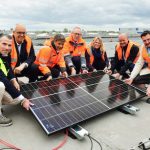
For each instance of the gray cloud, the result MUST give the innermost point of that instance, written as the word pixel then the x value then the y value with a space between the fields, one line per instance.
pixel 108 13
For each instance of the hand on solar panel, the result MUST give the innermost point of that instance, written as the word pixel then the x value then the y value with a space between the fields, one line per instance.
pixel 116 75
pixel 64 74
pixel 26 104
pixel 73 71
pixel 84 71
pixel 49 78
pixel 128 81
pixel 108 72
pixel 148 91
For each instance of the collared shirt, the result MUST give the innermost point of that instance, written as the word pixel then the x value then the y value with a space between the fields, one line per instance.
pixel 19 47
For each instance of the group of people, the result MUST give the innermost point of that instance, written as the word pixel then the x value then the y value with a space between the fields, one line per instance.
pixel 63 57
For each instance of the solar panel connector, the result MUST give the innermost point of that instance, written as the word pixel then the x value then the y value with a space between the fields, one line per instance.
pixel 78 132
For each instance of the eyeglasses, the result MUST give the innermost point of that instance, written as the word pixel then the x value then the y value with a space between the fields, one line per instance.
pixel 77 34
pixel 21 33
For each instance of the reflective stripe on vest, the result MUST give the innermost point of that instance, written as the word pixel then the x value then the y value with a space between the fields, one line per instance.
pixel 3 68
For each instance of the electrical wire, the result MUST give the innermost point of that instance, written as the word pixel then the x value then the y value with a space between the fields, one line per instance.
pixel 5 148
pixel 9 145
pixel 91 142
pixel 96 142
pixel 63 142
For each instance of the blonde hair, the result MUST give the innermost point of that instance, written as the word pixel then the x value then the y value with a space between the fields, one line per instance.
pixel 102 48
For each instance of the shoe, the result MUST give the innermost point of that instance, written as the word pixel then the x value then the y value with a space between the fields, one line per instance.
pixel 4 122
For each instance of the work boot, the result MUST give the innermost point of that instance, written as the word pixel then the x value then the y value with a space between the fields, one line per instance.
pixel 5 121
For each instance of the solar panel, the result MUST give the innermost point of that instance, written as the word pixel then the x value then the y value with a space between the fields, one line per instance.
pixel 63 102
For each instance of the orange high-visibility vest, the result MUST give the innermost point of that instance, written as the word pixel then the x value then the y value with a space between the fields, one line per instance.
pixel 145 56
pixel 47 57
pixel 14 57
pixel 119 51
pixel 89 50
pixel 74 49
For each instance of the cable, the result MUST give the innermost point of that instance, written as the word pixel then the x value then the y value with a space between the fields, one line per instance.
pixel 63 142
pixel 5 148
pixel 91 142
pixel 96 141
pixel 9 145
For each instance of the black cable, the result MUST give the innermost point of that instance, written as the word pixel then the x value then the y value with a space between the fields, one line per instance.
pixel 91 142
pixel 96 142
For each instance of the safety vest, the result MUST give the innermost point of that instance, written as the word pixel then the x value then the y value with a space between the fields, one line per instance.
pixel 74 48
pixel 3 68
pixel 89 50
pixel 47 57
pixel 145 56
pixel 14 57
pixel 130 44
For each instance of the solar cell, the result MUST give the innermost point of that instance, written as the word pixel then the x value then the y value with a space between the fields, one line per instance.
pixel 63 102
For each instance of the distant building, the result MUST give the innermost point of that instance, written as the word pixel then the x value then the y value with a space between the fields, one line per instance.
pixel 132 31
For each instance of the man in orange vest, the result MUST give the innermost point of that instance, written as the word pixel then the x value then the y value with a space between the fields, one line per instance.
pixel 9 89
pixel 22 54
pixel 126 54
pixel 141 71
pixel 50 60
pixel 74 49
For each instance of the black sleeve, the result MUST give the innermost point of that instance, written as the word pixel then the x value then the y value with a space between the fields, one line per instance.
pixel 31 57
pixel 106 59
pixel 10 74
pixel 88 64
pixel 133 54
pixel 114 62
pixel 9 86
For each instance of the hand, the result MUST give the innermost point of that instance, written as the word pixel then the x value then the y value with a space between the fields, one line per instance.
pixel 26 104
pixel 73 71
pixel 148 91
pixel 18 69
pixel 108 72
pixel 128 81
pixel 94 70
pixel 105 69
pixel 84 71
pixel 16 85
pixel 64 74
pixel 116 75
pixel 49 78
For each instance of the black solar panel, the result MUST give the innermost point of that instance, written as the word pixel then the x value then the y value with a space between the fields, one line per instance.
pixel 64 102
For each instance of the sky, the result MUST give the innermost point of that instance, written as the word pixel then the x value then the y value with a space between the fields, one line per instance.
pixel 88 14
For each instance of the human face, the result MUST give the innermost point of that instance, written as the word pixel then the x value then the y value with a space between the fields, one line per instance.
pixel 19 34
pixel 146 40
pixel 97 44
pixel 59 45
pixel 76 34
pixel 5 46
pixel 123 40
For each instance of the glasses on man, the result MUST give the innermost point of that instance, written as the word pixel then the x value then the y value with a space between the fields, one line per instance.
pixel 20 33
pixel 77 34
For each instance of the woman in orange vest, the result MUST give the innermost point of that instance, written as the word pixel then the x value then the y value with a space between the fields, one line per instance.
pixel 96 56
pixel 50 60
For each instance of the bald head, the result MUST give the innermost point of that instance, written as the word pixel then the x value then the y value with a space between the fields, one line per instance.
pixel 20 27
pixel 123 39
pixel 19 33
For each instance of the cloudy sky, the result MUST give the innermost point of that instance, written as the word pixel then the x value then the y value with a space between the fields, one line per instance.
pixel 89 14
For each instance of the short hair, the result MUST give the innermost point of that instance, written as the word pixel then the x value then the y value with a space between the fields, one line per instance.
pixel 5 35
pixel 145 33
pixel 59 37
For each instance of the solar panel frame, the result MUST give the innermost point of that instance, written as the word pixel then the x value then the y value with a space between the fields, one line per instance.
pixel 57 102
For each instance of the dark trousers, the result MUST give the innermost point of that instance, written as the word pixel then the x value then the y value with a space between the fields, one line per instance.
pixel 35 73
pixel 77 64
